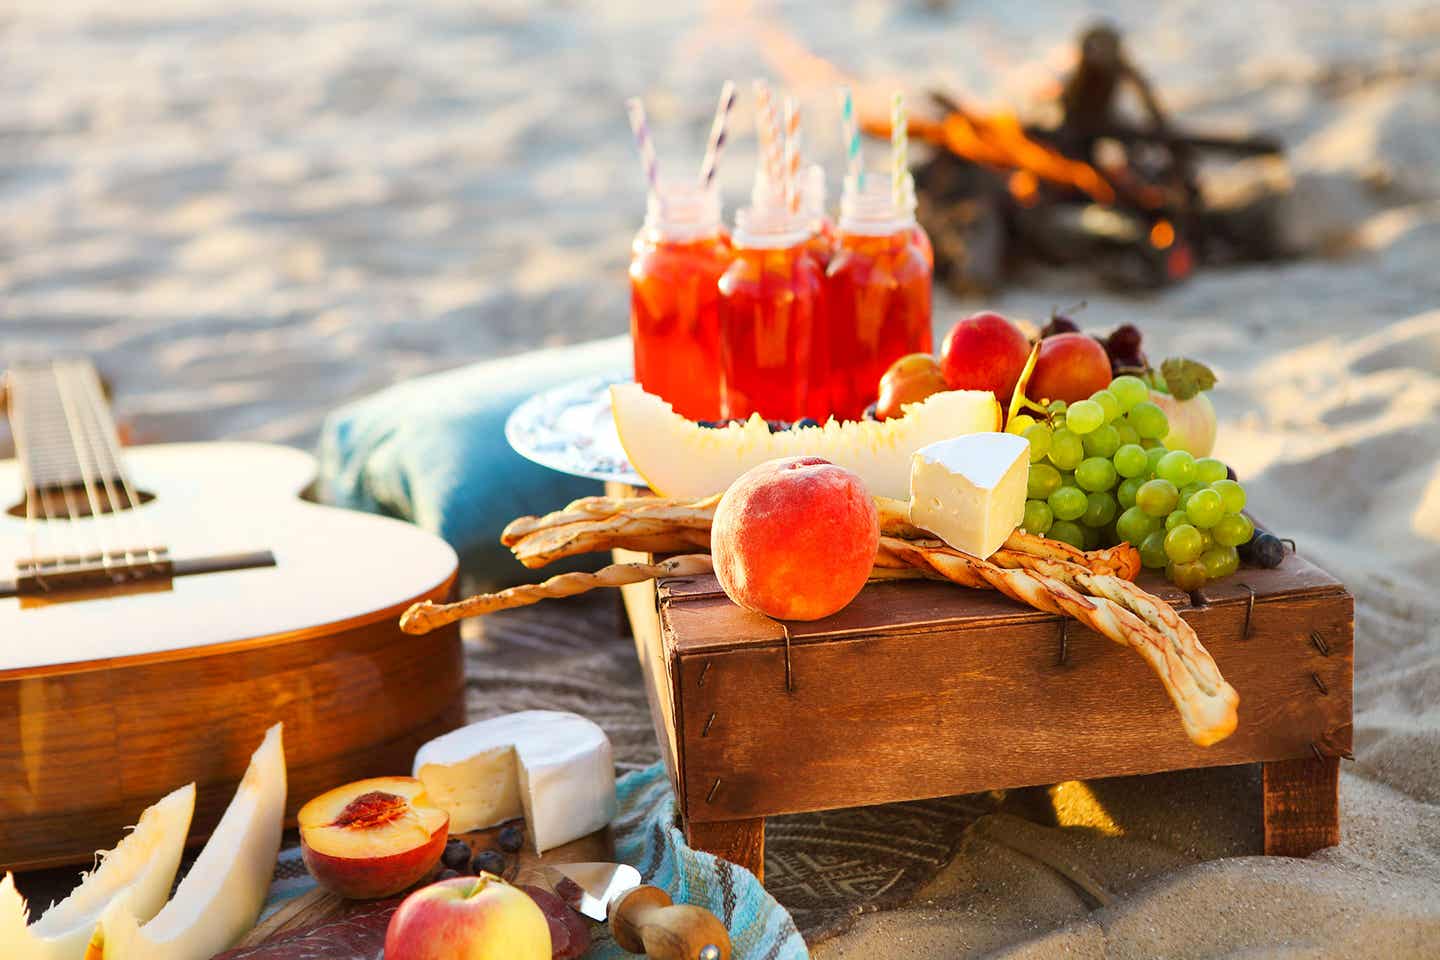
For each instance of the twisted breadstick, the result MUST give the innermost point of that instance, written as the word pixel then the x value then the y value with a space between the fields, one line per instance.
pixel 426 615
pixel 662 525
pixel 622 532
pixel 1206 703
pixel 1154 611
pixel 685 513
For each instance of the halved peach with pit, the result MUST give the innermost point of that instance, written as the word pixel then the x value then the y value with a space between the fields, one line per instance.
pixel 372 838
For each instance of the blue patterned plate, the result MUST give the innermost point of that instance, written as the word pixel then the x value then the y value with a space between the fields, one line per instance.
pixel 569 428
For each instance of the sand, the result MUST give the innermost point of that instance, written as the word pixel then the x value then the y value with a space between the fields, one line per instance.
pixel 251 212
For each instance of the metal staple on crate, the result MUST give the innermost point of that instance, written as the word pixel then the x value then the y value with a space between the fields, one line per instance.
pixel 1320 684
pixel 708 721
pixel 700 681
pixel 710 797
pixel 1318 642
pixel 1064 642
pixel 1249 611
pixel 789 670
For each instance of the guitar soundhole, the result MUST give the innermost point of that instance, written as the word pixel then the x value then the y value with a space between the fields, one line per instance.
pixel 72 502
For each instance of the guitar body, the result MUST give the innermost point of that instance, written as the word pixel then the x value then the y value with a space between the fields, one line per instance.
pixel 111 697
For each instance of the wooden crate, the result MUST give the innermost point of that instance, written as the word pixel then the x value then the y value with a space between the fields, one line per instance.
pixel 921 689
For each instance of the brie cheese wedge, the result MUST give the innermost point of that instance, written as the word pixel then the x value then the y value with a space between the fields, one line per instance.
pixel 970 491
pixel 555 769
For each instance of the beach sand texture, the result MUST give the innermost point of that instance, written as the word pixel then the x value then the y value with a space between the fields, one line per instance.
pixel 251 212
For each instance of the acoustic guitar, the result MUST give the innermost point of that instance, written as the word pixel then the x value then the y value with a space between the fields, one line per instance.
pixel 161 606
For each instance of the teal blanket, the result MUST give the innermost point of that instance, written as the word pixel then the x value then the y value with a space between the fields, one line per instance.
pixel 433 451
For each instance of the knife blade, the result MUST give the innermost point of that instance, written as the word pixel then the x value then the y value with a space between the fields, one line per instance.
pixel 643 919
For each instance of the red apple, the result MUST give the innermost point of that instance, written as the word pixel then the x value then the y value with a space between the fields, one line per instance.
pixel 984 352
pixel 910 379
pixel 1070 367
pixel 372 838
pixel 468 918
pixel 795 538
pixel 1192 422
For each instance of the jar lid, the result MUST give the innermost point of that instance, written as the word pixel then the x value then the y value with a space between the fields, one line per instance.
pixel 770 227
pixel 680 210
pixel 873 211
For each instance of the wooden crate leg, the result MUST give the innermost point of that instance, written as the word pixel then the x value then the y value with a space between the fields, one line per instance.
pixel 1302 806
pixel 739 841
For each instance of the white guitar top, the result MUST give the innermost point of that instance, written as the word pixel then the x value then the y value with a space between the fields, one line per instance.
pixel 332 565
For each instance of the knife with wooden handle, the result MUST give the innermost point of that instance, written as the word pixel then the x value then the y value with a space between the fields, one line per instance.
pixel 642 918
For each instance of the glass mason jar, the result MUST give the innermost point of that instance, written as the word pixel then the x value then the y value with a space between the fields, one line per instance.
pixel 677 260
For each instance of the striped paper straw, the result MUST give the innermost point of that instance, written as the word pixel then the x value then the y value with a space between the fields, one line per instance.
pixel 792 155
pixel 769 133
pixel 851 131
pixel 899 150
pixel 636 109
pixel 717 134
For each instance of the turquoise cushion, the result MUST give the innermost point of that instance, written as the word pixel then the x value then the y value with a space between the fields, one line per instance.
pixel 433 451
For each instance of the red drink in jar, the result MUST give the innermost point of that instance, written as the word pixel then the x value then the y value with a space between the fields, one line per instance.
pixel 877 294
pixel 770 300
pixel 820 245
pixel 679 256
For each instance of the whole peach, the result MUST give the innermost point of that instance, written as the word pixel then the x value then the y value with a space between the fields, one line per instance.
pixel 1070 367
pixel 984 352
pixel 795 538
pixel 468 918
pixel 910 379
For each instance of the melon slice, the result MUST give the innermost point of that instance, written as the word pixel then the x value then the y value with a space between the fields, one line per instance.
pixel 138 872
pixel 220 898
pixel 679 458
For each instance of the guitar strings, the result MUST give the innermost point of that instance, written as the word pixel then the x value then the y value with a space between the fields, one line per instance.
pixel 74 536
pixel 19 428
pixel 58 557
pixel 110 444
pixel 93 429
pixel 78 439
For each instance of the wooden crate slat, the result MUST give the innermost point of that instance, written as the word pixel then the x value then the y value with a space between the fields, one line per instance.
pixel 896 717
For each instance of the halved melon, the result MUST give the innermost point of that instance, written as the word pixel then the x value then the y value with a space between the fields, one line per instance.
pixel 680 458
pixel 139 872
pixel 220 898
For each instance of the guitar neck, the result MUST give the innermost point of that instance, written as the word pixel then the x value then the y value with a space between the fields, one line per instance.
pixel 64 433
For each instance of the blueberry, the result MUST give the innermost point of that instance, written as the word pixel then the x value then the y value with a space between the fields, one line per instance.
pixel 1269 551
pixel 807 422
pixel 778 426
pixel 869 413
pixel 456 854
pixel 510 839
pixel 1230 472
pixel 490 861
pixel 710 424
pixel 447 875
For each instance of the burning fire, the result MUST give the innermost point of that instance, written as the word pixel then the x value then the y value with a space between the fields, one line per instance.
pixel 999 141
pixel 996 141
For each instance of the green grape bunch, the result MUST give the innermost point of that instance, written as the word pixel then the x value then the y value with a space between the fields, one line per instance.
pixel 1100 474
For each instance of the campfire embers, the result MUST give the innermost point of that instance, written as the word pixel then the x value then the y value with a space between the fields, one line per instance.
pixel 1096 190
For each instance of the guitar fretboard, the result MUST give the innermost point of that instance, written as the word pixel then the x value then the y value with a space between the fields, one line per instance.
pixel 64 435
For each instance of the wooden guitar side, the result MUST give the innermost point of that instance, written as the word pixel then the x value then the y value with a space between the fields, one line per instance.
pixel 108 704
pixel 99 746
